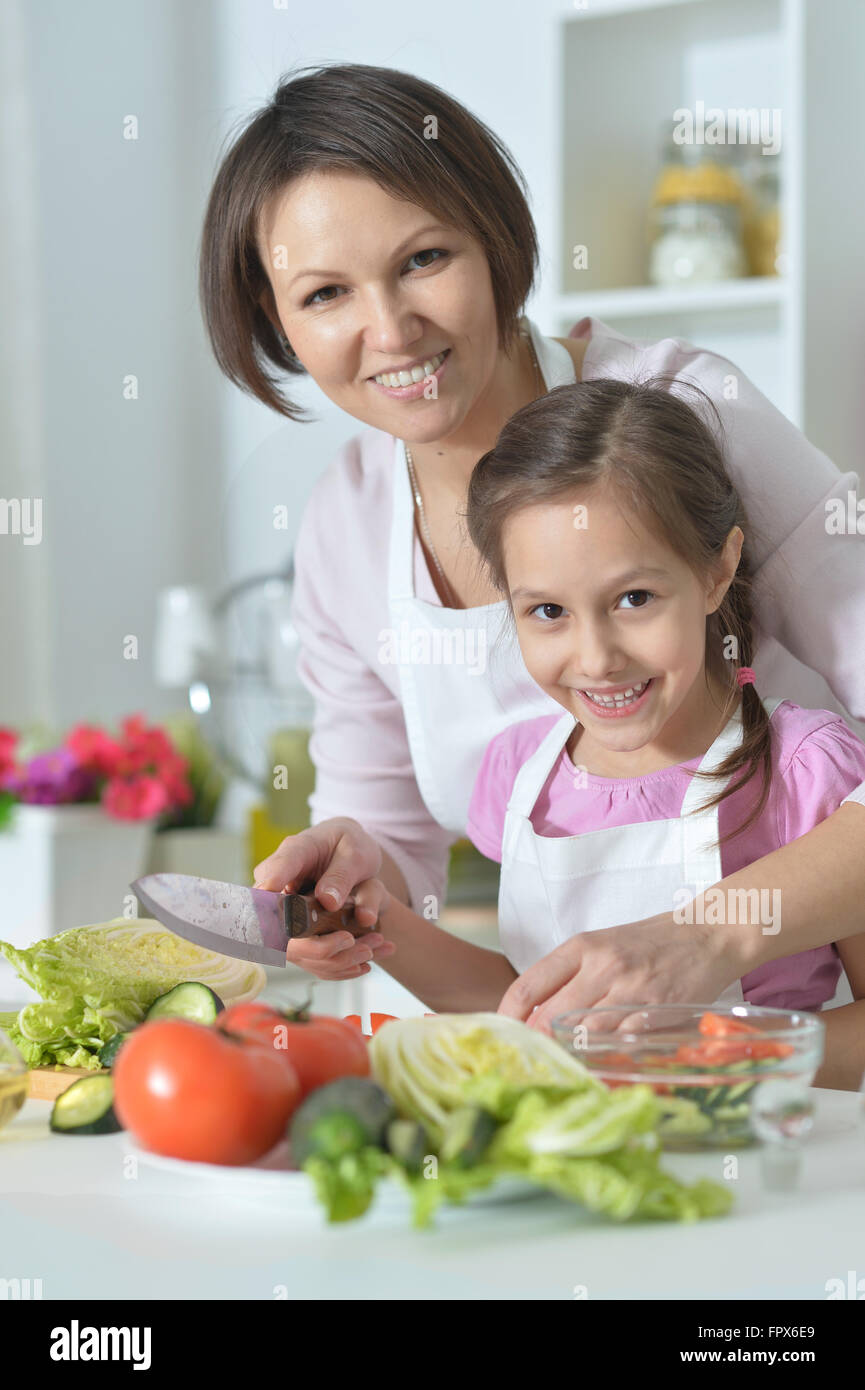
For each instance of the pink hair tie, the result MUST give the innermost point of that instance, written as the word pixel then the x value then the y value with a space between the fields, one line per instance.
pixel 745 676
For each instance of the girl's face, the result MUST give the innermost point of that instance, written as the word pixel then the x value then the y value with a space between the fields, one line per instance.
pixel 602 606
pixel 365 284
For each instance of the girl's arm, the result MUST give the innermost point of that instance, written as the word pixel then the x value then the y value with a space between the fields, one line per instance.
pixel 447 974
pixel 844 1062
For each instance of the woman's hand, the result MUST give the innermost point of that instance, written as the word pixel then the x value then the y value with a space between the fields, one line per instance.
pixel 342 859
pixel 655 961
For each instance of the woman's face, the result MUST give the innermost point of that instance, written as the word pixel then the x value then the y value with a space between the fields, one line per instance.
pixel 365 284
pixel 603 605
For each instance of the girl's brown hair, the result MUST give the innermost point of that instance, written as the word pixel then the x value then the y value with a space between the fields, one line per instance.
pixel 413 140
pixel 667 468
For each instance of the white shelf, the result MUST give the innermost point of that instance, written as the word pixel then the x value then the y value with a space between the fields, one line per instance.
pixel 637 301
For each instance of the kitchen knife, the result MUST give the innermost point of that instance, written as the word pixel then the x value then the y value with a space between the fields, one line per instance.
pixel 252 923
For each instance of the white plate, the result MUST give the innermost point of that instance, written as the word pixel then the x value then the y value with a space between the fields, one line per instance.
pixel 271 1176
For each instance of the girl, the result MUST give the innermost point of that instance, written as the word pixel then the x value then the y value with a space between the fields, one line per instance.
pixel 606 516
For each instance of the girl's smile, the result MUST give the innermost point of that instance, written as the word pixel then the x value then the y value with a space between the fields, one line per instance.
pixel 620 702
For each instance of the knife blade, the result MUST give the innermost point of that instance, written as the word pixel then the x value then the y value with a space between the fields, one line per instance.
pixel 234 920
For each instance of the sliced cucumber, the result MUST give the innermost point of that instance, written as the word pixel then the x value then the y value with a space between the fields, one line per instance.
pixel 681 1116
pixel 467 1133
pixel 111 1049
pixel 190 1000
pixel 409 1142
pixel 86 1107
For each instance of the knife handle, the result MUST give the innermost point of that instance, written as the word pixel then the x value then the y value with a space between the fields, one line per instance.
pixel 305 917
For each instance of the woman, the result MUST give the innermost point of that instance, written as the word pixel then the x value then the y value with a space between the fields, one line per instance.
pixel 320 212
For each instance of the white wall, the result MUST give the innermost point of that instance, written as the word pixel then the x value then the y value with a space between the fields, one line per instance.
pixel 129 502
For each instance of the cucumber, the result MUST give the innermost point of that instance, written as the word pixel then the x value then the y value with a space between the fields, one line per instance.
pixel 341 1118
pixel 467 1132
pixel 681 1116
pixel 111 1049
pixel 190 1000
pixel 86 1107
pixel 409 1143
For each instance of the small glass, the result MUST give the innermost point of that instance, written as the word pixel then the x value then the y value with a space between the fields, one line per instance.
pixel 717 1088
pixel 13 1080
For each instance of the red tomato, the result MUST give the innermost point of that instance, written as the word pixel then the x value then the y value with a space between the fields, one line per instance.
pixel 377 1020
pixel 320 1049
pixel 716 1026
pixel 190 1091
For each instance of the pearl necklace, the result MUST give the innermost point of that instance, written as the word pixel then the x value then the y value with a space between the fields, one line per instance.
pixel 418 500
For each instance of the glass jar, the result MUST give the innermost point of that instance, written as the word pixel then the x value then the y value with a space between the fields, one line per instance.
pixel 696 216
pixel 761 178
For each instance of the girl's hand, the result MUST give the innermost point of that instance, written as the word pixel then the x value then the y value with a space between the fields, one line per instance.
pixel 655 961
pixel 339 955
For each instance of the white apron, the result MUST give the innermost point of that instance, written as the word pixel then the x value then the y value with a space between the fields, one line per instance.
pixel 462 675
pixel 553 887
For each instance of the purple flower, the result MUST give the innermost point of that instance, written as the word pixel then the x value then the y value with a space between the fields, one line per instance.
pixel 51 779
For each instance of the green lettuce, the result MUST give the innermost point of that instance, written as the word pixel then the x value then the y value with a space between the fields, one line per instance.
pixel 99 980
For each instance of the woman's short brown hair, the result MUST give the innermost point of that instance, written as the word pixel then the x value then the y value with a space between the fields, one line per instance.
pixel 413 140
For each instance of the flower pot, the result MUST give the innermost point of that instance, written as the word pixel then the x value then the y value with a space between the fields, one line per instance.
pixel 62 867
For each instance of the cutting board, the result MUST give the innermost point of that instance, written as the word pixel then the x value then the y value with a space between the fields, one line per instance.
pixel 47 1083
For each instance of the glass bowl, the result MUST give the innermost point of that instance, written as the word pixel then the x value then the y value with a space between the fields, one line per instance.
pixel 723 1076
pixel 13 1079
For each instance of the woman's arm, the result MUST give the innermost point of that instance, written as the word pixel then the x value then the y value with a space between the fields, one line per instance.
pixel 844 1062
pixel 821 881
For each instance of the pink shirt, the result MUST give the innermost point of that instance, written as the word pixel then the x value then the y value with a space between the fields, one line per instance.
pixel 816 760
pixel 809 594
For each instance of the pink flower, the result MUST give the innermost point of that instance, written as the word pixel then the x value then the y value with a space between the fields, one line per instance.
pixel 135 798
pixel 94 749
pixel 8 740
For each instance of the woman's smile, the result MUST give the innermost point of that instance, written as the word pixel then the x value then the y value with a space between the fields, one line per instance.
pixel 409 383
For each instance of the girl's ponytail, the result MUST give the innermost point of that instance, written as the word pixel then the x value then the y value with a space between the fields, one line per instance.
pixel 733 624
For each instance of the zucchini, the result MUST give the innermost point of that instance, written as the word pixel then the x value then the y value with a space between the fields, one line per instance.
pixel 86 1107
pixel 467 1133
pixel 190 1000
pixel 111 1049
pixel 343 1117
pixel 409 1143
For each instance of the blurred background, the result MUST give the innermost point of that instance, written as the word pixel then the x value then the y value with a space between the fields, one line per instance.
pixel 141 572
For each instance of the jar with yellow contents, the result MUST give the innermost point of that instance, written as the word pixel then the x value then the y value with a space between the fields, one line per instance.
pixel 696 216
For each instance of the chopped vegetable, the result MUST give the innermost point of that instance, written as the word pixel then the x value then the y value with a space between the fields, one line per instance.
pixel 86 1107
pixel 109 1052
pixel 190 1000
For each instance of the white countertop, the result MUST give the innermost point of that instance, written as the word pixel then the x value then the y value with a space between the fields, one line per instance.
pixel 88 1221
